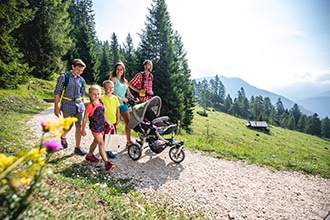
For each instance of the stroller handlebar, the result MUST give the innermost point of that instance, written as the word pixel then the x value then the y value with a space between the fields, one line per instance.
pixel 132 101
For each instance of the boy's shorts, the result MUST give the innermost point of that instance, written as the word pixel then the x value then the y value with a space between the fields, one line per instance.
pixel 78 115
pixel 123 108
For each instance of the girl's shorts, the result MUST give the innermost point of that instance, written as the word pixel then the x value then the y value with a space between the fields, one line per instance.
pixel 95 134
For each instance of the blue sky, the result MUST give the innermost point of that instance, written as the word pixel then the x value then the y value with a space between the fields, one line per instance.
pixel 268 43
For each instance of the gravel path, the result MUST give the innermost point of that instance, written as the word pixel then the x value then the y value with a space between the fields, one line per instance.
pixel 219 188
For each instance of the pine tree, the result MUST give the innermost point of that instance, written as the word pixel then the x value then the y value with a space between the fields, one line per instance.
pixel 13 68
pixel 161 45
pixel 228 103
pixel 313 125
pixel 291 122
pixel 44 40
pixel 84 40
pixel 129 58
pixel 105 66
pixel 325 127
pixel 301 123
pixel 256 107
pixel 243 104
pixel 218 91
pixel 114 48
pixel 267 108
pixel 295 113
pixel 279 112
pixel 184 83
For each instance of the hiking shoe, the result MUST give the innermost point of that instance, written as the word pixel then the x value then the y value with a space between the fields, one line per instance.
pixel 92 158
pixel 80 151
pixel 64 143
pixel 110 154
pixel 109 166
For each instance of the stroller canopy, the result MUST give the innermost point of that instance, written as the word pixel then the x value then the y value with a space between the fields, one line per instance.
pixel 148 110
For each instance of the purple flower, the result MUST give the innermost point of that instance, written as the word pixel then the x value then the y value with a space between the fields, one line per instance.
pixel 44 126
pixel 52 145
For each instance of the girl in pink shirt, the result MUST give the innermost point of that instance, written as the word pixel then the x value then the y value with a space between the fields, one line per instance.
pixel 95 112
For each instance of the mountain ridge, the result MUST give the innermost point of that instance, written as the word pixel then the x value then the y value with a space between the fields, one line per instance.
pixel 308 106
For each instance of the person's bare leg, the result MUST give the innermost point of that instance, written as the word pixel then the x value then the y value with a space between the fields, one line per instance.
pixel 100 143
pixel 65 132
pixel 125 116
pixel 92 147
pixel 78 134
pixel 64 142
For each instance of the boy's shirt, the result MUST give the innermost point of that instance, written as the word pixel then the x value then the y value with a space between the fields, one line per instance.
pixel 111 104
pixel 74 90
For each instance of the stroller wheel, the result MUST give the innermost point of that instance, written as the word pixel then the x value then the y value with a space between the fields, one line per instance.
pixel 134 151
pixel 176 154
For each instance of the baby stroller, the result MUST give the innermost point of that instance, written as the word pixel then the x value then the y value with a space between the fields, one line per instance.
pixel 145 120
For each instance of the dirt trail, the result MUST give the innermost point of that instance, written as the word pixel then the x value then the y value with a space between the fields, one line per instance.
pixel 221 189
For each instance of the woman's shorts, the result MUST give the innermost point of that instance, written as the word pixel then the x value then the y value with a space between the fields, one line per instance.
pixel 123 108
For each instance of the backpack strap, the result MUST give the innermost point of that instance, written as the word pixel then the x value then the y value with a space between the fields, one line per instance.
pixel 66 82
pixel 143 78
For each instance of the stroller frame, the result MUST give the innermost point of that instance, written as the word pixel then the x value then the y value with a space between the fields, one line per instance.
pixel 146 122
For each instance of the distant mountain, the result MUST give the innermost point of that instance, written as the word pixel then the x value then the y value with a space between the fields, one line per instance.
pixel 304 90
pixel 233 85
pixel 314 97
pixel 319 105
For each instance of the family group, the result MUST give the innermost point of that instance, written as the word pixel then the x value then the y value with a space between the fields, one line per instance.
pixel 103 112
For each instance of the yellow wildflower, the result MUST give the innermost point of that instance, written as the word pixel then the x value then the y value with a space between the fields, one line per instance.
pixel 25 180
pixel 9 161
pixel 17 182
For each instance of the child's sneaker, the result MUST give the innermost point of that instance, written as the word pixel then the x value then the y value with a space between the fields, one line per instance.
pixel 80 151
pixel 110 154
pixel 92 158
pixel 64 143
pixel 109 166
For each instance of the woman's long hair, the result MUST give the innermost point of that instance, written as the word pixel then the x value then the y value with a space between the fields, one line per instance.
pixel 113 73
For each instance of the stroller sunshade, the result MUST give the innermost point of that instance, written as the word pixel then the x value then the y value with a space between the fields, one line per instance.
pixel 148 110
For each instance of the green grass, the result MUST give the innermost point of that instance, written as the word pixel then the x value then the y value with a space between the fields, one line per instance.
pixel 225 136
pixel 16 108
pixel 71 190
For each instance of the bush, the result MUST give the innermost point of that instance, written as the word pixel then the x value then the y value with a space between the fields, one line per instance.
pixel 202 113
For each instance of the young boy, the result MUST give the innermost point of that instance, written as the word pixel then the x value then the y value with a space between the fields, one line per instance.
pixel 112 112
pixel 69 99
pixel 95 112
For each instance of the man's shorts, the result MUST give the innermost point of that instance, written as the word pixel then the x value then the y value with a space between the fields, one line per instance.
pixel 123 108
pixel 78 115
